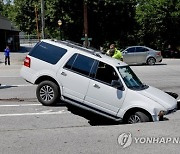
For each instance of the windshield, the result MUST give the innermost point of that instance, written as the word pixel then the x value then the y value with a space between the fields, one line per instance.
pixel 130 79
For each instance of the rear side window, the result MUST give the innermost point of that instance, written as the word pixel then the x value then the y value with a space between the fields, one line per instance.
pixel 141 49
pixel 80 64
pixel 47 52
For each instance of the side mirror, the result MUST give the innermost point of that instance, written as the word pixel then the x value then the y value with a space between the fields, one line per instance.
pixel 117 84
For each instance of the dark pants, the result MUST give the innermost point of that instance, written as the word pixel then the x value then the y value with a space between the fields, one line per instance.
pixel 7 59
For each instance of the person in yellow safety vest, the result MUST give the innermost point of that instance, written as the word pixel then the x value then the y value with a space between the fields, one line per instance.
pixel 114 52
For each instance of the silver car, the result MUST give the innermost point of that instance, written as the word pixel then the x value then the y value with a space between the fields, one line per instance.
pixel 141 55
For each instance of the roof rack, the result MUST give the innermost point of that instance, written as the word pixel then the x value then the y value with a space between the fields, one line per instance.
pixel 81 47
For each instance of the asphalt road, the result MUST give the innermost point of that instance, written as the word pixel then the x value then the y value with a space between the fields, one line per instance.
pixel 28 127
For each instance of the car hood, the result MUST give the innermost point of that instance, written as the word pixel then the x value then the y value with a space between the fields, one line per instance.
pixel 160 97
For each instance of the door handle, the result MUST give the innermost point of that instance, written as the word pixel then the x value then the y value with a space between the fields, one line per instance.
pixel 96 86
pixel 63 73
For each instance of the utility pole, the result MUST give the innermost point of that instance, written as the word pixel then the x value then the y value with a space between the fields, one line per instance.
pixel 85 23
pixel 42 19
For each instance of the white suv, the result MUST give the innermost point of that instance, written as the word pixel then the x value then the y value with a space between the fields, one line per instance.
pixel 93 81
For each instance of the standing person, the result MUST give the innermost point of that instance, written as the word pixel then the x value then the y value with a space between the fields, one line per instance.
pixel 7 55
pixel 114 52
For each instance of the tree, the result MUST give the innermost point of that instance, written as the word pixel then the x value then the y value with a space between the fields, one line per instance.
pixel 109 20
pixel 24 15
pixel 1 6
pixel 159 22
pixel 70 12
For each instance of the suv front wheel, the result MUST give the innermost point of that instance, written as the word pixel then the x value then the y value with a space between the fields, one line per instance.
pixel 137 117
pixel 47 93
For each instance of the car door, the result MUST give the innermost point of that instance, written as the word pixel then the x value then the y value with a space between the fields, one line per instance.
pixel 101 95
pixel 128 55
pixel 74 77
pixel 141 54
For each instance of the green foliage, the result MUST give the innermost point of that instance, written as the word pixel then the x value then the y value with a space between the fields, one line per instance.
pixel 1 7
pixel 111 21
pixel 24 12
pixel 159 22
pixel 108 20
pixel 70 13
pixel 6 8
pixel 155 23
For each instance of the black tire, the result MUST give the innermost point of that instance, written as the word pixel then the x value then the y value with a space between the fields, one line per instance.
pixel 137 117
pixel 47 93
pixel 151 61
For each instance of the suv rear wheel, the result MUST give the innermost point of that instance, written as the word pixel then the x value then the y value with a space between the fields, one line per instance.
pixel 47 93
pixel 137 117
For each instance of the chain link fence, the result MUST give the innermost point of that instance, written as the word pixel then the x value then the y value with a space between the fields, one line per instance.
pixel 28 41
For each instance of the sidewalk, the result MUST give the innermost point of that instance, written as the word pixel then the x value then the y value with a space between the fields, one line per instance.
pixel 16 60
pixel 13 87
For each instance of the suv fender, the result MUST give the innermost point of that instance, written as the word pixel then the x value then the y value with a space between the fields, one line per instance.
pixel 49 78
pixel 151 112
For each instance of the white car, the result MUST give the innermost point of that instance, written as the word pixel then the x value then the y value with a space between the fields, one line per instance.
pixel 93 81
pixel 141 55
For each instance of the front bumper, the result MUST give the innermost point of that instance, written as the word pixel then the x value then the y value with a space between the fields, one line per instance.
pixel 159 116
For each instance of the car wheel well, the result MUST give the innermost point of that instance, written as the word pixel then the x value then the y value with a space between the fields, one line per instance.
pixel 133 110
pixel 44 78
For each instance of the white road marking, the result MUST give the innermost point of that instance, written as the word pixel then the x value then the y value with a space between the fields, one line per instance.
pixel 47 111
pixel 31 114
pixel 20 105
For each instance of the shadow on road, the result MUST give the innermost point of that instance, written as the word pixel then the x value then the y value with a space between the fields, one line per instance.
pixel 178 105
pixel 5 87
pixel 158 64
pixel 60 103
pixel 93 119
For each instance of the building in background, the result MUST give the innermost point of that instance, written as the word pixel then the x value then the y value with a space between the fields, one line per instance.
pixel 9 35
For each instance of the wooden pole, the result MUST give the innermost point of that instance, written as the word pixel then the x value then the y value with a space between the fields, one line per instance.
pixel 85 23
pixel 42 19
pixel 37 25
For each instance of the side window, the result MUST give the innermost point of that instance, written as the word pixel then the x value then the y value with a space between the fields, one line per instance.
pixel 131 50
pixel 47 52
pixel 106 73
pixel 141 49
pixel 80 63
pixel 70 62
pixel 146 49
pixel 94 69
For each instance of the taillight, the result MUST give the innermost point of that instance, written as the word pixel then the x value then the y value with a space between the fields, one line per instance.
pixel 159 53
pixel 27 62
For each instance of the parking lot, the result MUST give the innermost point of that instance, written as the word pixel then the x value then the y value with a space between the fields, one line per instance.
pixel 28 127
